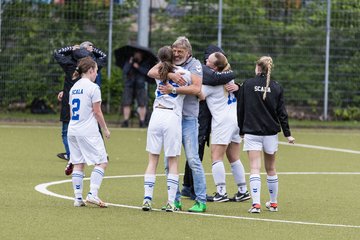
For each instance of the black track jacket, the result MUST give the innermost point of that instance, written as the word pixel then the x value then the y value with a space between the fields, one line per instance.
pixel 262 117
pixel 67 59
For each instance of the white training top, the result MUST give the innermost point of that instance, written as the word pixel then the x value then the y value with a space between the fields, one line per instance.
pixel 222 105
pixel 81 98
pixel 172 101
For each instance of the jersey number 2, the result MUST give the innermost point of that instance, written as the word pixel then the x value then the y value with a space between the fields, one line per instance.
pixel 75 108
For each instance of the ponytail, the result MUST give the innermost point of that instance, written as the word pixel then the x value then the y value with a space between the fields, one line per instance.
pixel 83 66
pixel 266 65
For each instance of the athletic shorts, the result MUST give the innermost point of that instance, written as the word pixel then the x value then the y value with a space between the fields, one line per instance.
pixel 89 150
pixel 225 134
pixel 268 144
pixel 130 93
pixel 164 130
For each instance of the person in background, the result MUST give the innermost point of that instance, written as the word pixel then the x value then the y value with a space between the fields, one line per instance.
pixel 262 115
pixel 135 73
pixel 85 141
pixel 68 57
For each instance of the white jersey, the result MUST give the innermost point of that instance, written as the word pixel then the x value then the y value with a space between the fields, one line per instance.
pixel 81 98
pixel 172 101
pixel 221 103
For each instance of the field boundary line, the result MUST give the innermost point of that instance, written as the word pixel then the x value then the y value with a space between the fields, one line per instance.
pixel 42 188
pixel 320 147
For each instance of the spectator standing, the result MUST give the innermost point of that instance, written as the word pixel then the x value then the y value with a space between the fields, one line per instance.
pixel 135 73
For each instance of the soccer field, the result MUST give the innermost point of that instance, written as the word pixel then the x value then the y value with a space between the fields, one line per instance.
pixel 319 192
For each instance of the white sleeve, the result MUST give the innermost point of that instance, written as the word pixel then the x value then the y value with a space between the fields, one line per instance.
pixel 205 89
pixel 96 96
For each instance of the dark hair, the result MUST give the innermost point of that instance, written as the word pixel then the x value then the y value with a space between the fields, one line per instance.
pixel 165 56
pixel 83 66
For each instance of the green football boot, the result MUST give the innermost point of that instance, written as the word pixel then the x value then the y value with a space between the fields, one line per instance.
pixel 198 207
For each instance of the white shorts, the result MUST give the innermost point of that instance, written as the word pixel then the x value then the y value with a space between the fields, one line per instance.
pixel 164 129
pixel 89 150
pixel 225 134
pixel 268 144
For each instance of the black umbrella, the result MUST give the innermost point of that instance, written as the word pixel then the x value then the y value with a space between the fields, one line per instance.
pixel 124 53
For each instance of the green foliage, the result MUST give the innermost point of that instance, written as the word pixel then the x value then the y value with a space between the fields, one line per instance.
pixel 349 113
pixel 293 33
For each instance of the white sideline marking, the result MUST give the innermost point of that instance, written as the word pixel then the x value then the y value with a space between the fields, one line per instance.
pixel 137 129
pixel 320 147
pixel 42 188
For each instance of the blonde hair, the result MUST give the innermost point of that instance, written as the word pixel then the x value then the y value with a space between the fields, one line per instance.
pixel 182 42
pixel 221 62
pixel 266 64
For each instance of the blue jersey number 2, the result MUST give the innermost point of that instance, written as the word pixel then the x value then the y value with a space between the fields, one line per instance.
pixel 75 108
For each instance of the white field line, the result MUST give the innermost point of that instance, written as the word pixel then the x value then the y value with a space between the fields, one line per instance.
pixel 136 129
pixel 42 188
pixel 320 147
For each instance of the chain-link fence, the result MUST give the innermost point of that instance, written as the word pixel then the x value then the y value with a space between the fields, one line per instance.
pixel 293 32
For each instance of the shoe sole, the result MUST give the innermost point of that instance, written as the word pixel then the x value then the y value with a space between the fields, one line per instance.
pixel 172 210
pixel 80 205
pixel 242 199
pixel 101 204
pixel 146 209
pixel 257 211
pixel 221 200
pixel 271 209
pixel 62 157
pixel 201 211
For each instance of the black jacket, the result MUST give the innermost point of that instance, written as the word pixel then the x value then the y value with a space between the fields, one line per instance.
pixel 262 117
pixel 136 77
pixel 67 59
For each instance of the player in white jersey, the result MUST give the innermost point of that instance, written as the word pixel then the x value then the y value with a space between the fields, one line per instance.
pixel 164 130
pixel 225 136
pixel 85 142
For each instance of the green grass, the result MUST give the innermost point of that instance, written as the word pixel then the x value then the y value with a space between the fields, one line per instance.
pixel 28 156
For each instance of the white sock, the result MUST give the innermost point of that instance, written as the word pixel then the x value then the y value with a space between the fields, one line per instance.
pixel 238 172
pixel 218 172
pixel 77 181
pixel 255 188
pixel 273 186
pixel 172 184
pixel 149 183
pixel 96 178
